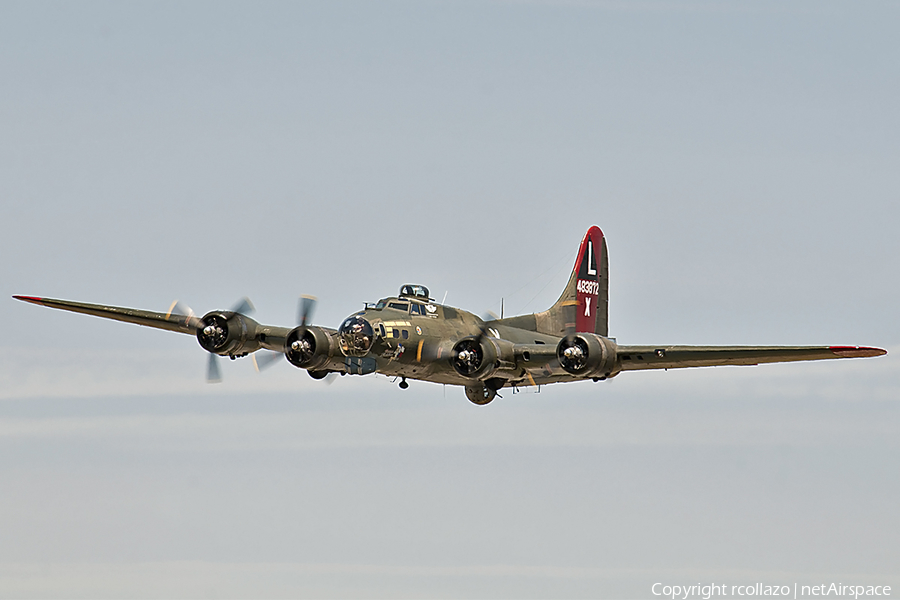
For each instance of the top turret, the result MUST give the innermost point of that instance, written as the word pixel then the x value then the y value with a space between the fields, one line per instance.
pixel 415 291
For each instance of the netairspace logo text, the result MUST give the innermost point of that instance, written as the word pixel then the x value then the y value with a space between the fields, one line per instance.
pixel 716 590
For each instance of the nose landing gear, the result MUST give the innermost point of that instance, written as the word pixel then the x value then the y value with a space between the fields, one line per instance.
pixel 403 384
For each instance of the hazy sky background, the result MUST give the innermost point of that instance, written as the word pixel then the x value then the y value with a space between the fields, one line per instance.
pixel 741 158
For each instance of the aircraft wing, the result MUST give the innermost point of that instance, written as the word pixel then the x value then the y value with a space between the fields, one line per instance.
pixel 254 335
pixel 633 358
pixel 167 321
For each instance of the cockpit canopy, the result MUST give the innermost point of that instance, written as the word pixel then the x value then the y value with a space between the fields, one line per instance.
pixel 416 291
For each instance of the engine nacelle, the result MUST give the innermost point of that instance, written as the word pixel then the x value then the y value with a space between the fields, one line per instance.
pixel 480 359
pixel 587 355
pixel 473 358
pixel 229 333
pixel 308 347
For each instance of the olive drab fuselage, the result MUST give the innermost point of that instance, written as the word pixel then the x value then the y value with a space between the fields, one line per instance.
pixel 414 337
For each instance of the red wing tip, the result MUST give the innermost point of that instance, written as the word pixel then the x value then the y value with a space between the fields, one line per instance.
pixel 32 299
pixel 856 351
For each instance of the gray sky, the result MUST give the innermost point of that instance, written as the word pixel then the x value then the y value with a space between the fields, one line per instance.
pixel 742 160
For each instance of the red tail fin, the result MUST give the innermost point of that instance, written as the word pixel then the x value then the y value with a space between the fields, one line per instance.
pixel 590 291
pixel 583 305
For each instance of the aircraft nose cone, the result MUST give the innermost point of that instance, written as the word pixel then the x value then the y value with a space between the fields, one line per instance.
pixel 356 336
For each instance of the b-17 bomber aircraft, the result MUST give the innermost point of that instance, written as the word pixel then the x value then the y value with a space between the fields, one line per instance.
pixel 410 336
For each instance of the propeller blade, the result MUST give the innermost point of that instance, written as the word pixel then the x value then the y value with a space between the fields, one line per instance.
pixel 264 359
pixel 482 331
pixel 212 369
pixel 244 306
pixel 179 308
pixel 305 308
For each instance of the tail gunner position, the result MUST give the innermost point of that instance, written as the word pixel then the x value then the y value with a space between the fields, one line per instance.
pixel 412 337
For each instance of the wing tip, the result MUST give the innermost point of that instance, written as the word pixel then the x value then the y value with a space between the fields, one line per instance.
pixel 856 351
pixel 32 299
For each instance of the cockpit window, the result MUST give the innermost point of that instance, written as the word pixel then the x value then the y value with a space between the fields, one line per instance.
pixel 381 304
pixel 416 309
pixel 399 306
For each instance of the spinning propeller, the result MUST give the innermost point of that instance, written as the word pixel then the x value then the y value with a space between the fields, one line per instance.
pixel 306 306
pixel 211 331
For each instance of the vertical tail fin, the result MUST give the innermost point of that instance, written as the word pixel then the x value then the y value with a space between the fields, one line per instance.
pixel 584 303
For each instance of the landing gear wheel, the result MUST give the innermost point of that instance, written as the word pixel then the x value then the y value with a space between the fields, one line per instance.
pixel 480 395
pixel 403 384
